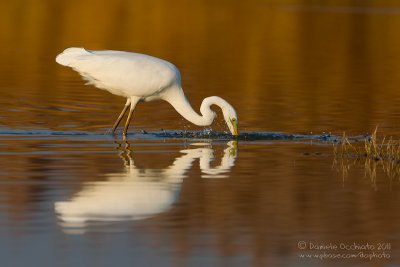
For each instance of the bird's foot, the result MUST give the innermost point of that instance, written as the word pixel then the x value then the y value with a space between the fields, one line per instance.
pixel 124 137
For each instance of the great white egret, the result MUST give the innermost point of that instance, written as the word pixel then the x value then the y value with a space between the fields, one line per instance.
pixel 140 77
pixel 138 193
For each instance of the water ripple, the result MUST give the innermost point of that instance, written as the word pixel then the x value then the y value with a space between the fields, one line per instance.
pixel 167 134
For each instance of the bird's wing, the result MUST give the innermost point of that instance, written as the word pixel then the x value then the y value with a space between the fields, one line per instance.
pixel 123 72
pixel 70 55
pixel 96 66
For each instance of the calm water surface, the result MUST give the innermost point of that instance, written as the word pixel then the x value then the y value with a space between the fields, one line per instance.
pixel 72 195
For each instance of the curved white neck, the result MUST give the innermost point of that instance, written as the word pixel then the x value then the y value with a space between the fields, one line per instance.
pixel 178 100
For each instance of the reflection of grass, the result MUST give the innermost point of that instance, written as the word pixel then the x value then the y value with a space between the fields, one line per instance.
pixel 373 153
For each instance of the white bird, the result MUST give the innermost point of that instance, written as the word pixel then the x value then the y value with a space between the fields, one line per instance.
pixel 140 77
pixel 138 193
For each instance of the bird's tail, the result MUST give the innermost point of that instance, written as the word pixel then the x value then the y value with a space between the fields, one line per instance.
pixel 70 55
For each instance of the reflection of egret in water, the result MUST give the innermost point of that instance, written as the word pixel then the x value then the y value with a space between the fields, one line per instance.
pixel 138 193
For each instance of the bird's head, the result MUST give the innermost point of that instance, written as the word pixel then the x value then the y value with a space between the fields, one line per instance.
pixel 231 119
pixel 228 111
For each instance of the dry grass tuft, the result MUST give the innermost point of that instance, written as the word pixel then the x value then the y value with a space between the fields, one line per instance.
pixel 373 153
pixel 373 149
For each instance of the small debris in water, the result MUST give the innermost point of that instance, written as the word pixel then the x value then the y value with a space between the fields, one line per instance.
pixel 247 136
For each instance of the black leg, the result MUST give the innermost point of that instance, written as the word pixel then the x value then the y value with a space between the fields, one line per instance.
pixel 127 105
pixel 128 120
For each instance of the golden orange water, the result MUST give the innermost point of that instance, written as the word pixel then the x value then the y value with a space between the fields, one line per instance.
pixel 288 66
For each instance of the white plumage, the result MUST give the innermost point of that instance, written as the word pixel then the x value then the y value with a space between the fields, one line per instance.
pixel 137 194
pixel 140 77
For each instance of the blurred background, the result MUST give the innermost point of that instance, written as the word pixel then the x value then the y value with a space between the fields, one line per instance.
pixel 291 66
